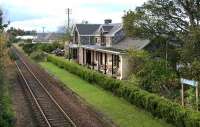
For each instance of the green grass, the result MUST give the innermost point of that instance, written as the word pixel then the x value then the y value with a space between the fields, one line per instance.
pixel 120 111
pixel 6 110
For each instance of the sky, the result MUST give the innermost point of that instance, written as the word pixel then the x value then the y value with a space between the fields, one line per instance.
pixel 51 14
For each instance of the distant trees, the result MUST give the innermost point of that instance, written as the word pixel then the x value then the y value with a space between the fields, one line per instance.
pixel 13 32
pixel 20 32
pixel 46 47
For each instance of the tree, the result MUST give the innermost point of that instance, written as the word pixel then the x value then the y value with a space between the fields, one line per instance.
pixel 171 18
pixel 173 27
pixel 156 78
pixel 165 16
pixel 171 24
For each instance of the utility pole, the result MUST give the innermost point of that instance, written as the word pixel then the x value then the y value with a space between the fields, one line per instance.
pixel 43 28
pixel 68 12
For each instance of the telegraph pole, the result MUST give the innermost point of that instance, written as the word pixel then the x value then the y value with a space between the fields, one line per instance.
pixel 68 12
pixel 43 30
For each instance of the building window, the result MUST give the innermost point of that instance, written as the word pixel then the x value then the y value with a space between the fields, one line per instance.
pixel 96 40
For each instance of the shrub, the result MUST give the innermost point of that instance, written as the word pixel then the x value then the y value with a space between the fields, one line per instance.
pixel 12 55
pixel 159 107
pixel 38 55
pixel 29 48
pixel 46 47
pixel 155 77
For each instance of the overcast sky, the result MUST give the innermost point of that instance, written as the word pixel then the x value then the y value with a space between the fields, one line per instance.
pixel 35 14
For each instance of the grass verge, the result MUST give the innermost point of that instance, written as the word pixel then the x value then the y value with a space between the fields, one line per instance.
pixel 120 111
pixel 7 114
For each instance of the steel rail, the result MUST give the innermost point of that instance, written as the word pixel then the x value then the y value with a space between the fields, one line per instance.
pixel 33 96
pixel 46 91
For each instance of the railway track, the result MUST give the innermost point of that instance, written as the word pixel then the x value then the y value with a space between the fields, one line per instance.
pixel 50 111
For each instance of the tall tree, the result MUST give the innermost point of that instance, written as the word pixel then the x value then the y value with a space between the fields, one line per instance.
pixel 165 16
pixel 166 21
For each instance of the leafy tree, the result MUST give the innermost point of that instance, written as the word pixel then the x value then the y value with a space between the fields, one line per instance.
pixel 137 58
pixel 156 78
pixel 167 16
pixel 131 24
pixel 172 20
pixel 191 47
pixel 173 26
pixel 190 55
pixel 152 75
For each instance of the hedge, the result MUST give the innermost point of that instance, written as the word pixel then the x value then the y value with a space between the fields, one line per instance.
pixel 158 106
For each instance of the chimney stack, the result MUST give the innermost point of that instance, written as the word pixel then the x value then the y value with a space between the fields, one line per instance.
pixel 108 21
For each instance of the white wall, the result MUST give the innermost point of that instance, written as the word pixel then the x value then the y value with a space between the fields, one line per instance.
pixel 125 66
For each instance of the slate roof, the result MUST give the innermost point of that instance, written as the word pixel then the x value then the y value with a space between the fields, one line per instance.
pixel 87 29
pixel 107 28
pixel 110 50
pixel 93 29
pixel 116 27
pixel 131 43
pixel 121 47
pixel 46 37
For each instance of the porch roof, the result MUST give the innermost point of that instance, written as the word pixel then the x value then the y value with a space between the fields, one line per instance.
pixel 132 43
pixel 73 45
pixel 110 50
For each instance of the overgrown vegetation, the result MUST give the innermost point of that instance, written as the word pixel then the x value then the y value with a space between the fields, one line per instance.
pixel 46 47
pixel 113 107
pixel 173 27
pixel 6 113
pixel 159 107
pixel 13 33
pixel 38 55
pixel 153 75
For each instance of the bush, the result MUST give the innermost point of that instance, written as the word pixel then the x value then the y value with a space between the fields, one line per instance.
pixel 155 77
pixel 29 48
pixel 46 47
pixel 159 107
pixel 38 56
pixel 12 55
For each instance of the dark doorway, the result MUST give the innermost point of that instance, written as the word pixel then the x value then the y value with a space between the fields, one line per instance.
pixel 88 57
pixel 74 53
